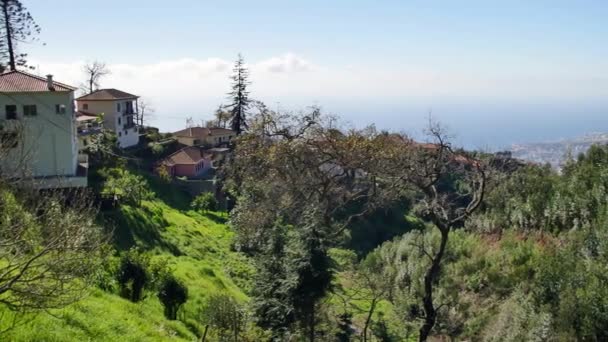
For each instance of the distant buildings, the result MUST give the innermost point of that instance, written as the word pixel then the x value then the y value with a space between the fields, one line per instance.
pixel 117 108
pixel 38 131
pixel 190 162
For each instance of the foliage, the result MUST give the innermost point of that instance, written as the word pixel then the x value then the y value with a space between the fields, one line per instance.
pixel 17 26
pixel 123 185
pixel 173 294
pixel 204 202
pixel 239 96
pixel 225 315
pixel 50 248
pixel 133 275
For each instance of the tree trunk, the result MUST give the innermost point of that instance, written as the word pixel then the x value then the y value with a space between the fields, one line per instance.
pixel 205 333
pixel 311 323
pixel 430 314
pixel 368 319
pixel 9 38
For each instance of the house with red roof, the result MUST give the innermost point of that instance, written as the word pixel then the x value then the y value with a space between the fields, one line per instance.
pixel 118 110
pixel 38 131
pixel 204 136
pixel 190 162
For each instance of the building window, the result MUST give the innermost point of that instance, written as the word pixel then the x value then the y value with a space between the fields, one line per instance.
pixel 60 109
pixel 30 110
pixel 85 106
pixel 126 132
pixel 11 112
pixel 119 121
pixel 118 107
pixel 120 134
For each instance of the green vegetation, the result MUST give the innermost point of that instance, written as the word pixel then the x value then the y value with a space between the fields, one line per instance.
pixel 195 251
pixel 426 242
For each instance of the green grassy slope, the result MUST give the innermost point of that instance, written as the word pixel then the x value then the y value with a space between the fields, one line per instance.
pixel 196 247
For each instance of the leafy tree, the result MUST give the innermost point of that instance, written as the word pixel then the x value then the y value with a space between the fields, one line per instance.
pixel 300 171
pixel 16 26
pixel 274 284
pixel 204 202
pixel 225 315
pixel 133 275
pixel 173 294
pixel 239 96
pixel 122 185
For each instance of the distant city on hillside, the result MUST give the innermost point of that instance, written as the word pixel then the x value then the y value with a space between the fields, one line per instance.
pixel 556 152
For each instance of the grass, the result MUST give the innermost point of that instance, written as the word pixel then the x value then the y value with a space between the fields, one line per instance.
pixel 197 248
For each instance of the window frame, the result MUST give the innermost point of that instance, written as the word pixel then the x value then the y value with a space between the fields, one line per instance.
pixel 60 109
pixel 6 112
pixel 30 110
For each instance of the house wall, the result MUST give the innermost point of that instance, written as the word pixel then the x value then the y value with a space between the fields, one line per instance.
pixel 113 119
pixel 216 139
pixel 184 170
pixel 48 144
pixel 212 140
pixel 186 141
pixel 191 170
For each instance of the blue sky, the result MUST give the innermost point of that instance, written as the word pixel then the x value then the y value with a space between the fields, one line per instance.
pixel 495 73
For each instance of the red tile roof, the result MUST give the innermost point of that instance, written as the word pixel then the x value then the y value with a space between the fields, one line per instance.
pixel 22 82
pixel 187 155
pixel 202 132
pixel 107 95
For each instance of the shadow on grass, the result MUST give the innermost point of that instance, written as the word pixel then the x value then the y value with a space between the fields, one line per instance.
pixel 171 194
pixel 139 226
pixel 216 217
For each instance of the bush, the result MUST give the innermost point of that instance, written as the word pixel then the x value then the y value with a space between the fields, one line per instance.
pixel 172 294
pixel 204 202
pixel 225 316
pixel 122 185
pixel 133 275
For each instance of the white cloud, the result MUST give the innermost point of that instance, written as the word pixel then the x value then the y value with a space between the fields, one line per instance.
pixel 286 63
pixel 190 87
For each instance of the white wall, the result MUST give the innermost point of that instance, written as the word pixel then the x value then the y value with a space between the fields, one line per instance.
pixel 113 120
pixel 48 145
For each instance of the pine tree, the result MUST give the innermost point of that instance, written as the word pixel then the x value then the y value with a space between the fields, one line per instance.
pixel 239 96
pixel 17 25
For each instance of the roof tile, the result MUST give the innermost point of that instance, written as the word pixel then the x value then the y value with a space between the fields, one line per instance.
pixel 19 82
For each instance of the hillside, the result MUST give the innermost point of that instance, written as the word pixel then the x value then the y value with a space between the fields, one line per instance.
pixel 197 249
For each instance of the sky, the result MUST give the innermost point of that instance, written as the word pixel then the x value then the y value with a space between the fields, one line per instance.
pixel 493 72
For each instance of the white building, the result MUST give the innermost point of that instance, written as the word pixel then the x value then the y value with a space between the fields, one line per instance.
pixel 38 132
pixel 118 110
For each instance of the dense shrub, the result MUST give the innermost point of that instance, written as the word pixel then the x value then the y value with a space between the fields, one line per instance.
pixel 204 202
pixel 172 294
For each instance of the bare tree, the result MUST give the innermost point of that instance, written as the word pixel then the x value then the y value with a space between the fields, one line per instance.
pixel 50 245
pixel 189 122
pixel 450 187
pixel 145 112
pixel 94 71
pixel 222 116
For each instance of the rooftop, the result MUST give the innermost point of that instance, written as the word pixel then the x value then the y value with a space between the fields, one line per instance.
pixel 22 82
pixel 187 155
pixel 201 132
pixel 107 95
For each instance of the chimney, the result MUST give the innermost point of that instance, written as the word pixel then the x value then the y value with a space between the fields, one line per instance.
pixel 49 82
